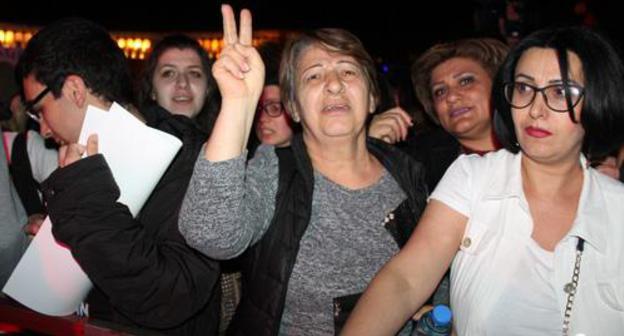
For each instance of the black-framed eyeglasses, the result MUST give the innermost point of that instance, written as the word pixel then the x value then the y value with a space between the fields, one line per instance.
pixel 29 107
pixel 558 97
pixel 272 108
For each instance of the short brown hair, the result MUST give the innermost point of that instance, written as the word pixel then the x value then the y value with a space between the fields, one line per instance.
pixel 488 52
pixel 333 40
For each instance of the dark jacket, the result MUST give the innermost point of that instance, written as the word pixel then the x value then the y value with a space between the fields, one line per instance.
pixel 436 149
pixel 143 267
pixel 21 173
pixel 269 263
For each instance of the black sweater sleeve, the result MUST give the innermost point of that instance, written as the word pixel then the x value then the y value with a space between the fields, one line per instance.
pixel 147 271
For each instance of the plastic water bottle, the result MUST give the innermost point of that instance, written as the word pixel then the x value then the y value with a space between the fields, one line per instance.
pixel 436 322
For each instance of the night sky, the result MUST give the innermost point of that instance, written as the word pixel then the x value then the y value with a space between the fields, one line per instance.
pixel 391 30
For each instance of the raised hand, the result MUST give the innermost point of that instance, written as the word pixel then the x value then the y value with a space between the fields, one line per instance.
pixel 239 71
pixel 391 126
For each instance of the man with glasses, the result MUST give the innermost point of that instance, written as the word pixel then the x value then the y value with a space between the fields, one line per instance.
pixel 29 106
pixel 30 162
pixel 144 273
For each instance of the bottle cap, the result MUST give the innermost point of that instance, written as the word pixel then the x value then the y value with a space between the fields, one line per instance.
pixel 441 315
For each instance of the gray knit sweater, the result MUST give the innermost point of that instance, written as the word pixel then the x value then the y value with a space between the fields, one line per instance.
pixel 227 208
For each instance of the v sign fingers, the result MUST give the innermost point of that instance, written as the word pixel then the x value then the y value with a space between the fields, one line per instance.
pixel 245 37
pixel 239 73
pixel 230 36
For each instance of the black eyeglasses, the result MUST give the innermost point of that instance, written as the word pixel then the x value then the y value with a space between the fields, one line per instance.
pixel 29 107
pixel 272 108
pixel 558 97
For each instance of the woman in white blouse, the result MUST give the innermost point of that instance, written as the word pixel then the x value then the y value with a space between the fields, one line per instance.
pixel 534 235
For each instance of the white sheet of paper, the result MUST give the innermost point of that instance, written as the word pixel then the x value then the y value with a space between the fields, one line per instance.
pixel 47 279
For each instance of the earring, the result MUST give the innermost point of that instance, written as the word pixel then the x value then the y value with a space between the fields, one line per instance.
pixel 153 95
pixel 295 117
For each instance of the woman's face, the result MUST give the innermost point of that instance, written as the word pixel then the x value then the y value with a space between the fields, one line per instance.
pixel 543 134
pixel 180 82
pixel 461 91
pixel 333 96
pixel 272 130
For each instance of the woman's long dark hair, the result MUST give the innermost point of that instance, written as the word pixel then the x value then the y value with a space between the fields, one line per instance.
pixel 208 114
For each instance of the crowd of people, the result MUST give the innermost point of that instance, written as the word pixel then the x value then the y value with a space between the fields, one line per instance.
pixel 308 206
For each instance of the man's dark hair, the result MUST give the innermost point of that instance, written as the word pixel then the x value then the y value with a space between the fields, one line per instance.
pixel 76 46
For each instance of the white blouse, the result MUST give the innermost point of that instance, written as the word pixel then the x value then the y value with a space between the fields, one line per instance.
pixel 503 283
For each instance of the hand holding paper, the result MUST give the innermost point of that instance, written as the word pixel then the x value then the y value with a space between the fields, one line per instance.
pixel 47 278
pixel 71 153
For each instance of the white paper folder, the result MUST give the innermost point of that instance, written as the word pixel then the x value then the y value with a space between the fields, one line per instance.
pixel 47 279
